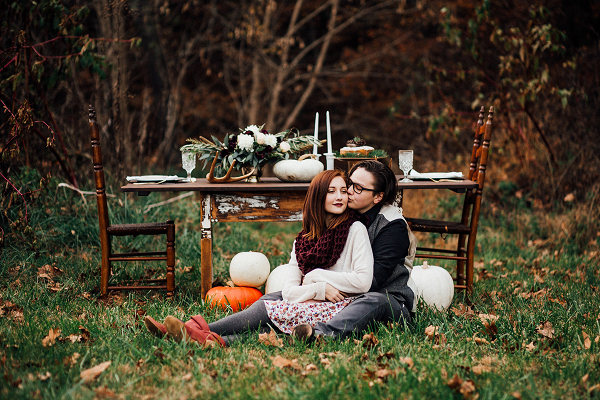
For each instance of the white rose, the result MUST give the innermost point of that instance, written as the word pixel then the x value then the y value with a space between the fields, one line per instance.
pixel 271 140
pixel 284 146
pixel 260 138
pixel 245 142
pixel 252 128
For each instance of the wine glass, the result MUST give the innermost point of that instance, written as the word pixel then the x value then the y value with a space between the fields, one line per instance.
pixel 188 162
pixel 405 161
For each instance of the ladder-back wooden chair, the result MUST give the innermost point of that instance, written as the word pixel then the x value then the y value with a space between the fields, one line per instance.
pixel 466 229
pixel 107 231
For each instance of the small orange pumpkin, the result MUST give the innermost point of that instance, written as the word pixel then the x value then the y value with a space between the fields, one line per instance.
pixel 238 297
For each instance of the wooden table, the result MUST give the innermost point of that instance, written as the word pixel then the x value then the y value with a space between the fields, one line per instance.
pixel 268 200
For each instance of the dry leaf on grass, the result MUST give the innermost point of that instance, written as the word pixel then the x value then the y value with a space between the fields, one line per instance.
pixel 186 377
pixel 587 342
pixel 370 341
pixel 13 311
pixel 92 373
pixel 270 339
pixel 104 393
pixel 408 361
pixel 310 368
pixel 480 369
pixel 463 311
pixel 69 361
pixel 282 362
pixel 530 347
pixel 546 330
pixel 433 333
pixel 53 335
pixel 464 387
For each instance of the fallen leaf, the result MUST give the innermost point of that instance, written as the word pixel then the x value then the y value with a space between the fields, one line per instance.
pixel 587 342
pixel 281 362
pixel 530 347
pixel 408 361
pixel 186 377
pixel 546 330
pixel 69 361
pixel 309 368
pixel 489 322
pixel 49 340
pixel 585 378
pixel 85 334
pixel 432 333
pixel 388 355
pixel 45 376
pixel 270 339
pixel 479 340
pixel 480 369
pixel 370 341
pixel 464 311
pixel 516 395
pixel 248 366
pixel 92 373
pixel 325 362
pixel 455 382
pixel 383 373
pixel 104 393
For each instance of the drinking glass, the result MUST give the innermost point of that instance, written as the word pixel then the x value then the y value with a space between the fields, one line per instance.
pixel 188 161
pixel 405 161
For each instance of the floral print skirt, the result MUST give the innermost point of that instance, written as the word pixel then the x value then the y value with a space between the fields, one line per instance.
pixel 286 315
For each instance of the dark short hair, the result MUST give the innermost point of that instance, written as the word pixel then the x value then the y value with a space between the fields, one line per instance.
pixel 385 179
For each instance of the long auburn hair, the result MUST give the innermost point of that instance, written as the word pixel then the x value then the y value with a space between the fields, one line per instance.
pixel 313 211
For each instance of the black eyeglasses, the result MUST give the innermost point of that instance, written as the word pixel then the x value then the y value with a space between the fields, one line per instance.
pixel 358 188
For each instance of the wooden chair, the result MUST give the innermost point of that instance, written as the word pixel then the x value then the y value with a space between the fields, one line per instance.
pixel 466 229
pixel 107 231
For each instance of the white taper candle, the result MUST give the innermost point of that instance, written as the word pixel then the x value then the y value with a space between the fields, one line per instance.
pixel 328 134
pixel 316 133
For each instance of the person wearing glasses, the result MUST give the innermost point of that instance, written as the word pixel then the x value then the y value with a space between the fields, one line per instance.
pixel 372 190
pixel 331 263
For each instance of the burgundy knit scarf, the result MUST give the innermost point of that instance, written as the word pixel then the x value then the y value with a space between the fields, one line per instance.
pixel 324 251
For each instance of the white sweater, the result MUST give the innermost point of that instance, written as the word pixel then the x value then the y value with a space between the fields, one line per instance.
pixel 351 274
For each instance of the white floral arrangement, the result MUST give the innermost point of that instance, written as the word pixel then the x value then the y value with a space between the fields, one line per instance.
pixel 254 147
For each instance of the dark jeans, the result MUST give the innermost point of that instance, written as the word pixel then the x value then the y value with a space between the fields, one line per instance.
pixel 366 310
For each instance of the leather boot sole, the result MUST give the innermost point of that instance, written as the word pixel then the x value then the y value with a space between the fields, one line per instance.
pixel 176 328
pixel 302 332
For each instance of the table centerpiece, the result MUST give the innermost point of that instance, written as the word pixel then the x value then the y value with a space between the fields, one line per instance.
pixel 249 151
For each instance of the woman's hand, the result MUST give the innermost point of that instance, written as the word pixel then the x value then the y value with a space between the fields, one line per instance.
pixel 332 294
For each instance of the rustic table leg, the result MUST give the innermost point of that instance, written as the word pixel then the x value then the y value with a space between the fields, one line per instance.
pixel 206 262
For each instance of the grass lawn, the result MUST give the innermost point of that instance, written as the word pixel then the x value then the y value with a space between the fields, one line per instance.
pixel 532 332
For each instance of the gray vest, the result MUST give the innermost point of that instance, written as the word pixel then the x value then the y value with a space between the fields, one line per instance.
pixel 399 283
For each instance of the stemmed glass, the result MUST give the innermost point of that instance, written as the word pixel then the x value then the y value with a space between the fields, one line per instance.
pixel 405 161
pixel 188 162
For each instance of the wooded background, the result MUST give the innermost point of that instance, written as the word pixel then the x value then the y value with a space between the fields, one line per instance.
pixel 406 74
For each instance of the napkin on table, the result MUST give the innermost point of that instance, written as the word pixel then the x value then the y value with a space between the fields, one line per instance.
pixel 435 175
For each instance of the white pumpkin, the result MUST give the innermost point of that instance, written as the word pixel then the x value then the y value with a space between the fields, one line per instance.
pixel 250 268
pixel 277 278
pixel 434 285
pixel 303 169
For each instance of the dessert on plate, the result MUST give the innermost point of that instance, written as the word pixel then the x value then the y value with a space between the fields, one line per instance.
pixel 356 148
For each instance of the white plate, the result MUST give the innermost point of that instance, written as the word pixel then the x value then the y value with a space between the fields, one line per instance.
pixel 155 178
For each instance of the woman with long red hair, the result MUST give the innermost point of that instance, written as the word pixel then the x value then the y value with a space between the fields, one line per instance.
pixel 331 261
